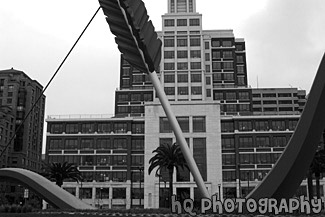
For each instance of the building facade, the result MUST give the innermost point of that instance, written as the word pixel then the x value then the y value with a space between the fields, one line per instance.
pixel 236 133
pixel 18 93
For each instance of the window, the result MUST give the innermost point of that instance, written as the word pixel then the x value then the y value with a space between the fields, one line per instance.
pixel 183 123
pixel 137 78
pixel 216 66
pixel 103 160
pixel 147 97
pixel 135 97
pixel 119 193
pixel 228 76
pixel 228 159
pixel 195 41
pixel 199 154
pixel 195 65
pixel 241 80
pixel 217 77
pixel 278 125
pixel 244 107
pixel 228 65
pixel 164 126
pixel 169 22
pixel 231 96
pixel 169 66
pixel 169 54
pixel 119 143
pixel 262 125
pixel 181 22
pixel 104 128
pixel 85 193
pixel 196 90
pixel 206 45
pixel 182 90
pixel 240 58
pixel 246 159
pixel 169 42
pixel 123 97
pixel 246 142
pixel 169 90
pixel 262 141
pixel 56 128
pixel 226 44
pixel 182 54
pixel 195 54
pixel 227 54
pixel 71 144
pixel 119 177
pixel 279 141
pixel 138 128
pixel 120 127
pixel 207 57
pixel 215 43
pixel 169 78
pixel 292 124
pixel 245 126
pixel 56 144
pixel 137 160
pixel 72 129
pixel 119 160
pixel 243 95
pixel 181 42
pixel 87 128
pixel 103 144
pixel 231 108
pixel 228 143
pixel 199 124
pixel 196 78
pixel 227 127
pixel 9 100
pixel 182 66
pixel 87 144
pixel 137 144
pixel 182 78
pixel 194 22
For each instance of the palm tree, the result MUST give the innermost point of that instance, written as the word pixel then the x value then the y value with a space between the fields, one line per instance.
pixel 168 157
pixel 317 167
pixel 59 172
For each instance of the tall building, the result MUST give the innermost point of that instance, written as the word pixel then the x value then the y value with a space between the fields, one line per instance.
pixel 235 132
pixel 18 93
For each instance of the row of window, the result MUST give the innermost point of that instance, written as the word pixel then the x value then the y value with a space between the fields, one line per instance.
pixel 253 158
pixel 182 78
pixel 229 95
pixel 251 175
pixel 259 125
pixel 98 160
pixel 100 143
pixel 198 124
pixel 181 41
pixel 254 142
pixel 181 22
pixel 182 54
pixel 182 66
pixel 134 97
pixel 75 128
pixel 183 90
pixel 103 193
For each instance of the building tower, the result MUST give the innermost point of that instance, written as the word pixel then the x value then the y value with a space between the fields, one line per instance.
pixel 18 93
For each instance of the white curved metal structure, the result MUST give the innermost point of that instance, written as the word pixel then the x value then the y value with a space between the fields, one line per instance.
pixel 50 192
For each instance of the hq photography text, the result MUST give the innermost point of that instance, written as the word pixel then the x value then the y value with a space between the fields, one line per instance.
pixel 241 205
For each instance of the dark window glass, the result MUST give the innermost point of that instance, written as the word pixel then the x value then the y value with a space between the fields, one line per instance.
pixel 199 153
pixel 71 144
pixel 195 53
pixel 169 54
pixel 164 126
pixel 194 22
pixel 182 90
pixel 119 193
pixel 87 128
pixel 245 126
pixel 182 54
pixel 138 128
pixel 196 78
pixel 103 144
pixel 169 22
pixel 182 78
pixel 169 42
pixel 119 143
pixel 199 124
pixel 196 90
pixel 182 66
pixel 246 142
pixel 228 143
pixel 183 123
pixel 181 22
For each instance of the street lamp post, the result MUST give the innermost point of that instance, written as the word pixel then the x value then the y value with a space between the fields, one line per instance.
pixel 219 187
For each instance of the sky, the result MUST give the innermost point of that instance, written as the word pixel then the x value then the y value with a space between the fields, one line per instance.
pixel 285 41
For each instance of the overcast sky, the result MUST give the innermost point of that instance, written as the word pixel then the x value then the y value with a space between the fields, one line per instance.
pixel 285 40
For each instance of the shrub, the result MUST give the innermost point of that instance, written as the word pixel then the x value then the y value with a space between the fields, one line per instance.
pixel 13 208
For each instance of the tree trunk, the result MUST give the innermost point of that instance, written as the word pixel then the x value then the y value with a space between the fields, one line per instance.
pixel 171 172
pixel 310 185
pixel 317 176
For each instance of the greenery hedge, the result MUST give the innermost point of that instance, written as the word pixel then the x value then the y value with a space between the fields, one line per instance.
pixel 15 209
